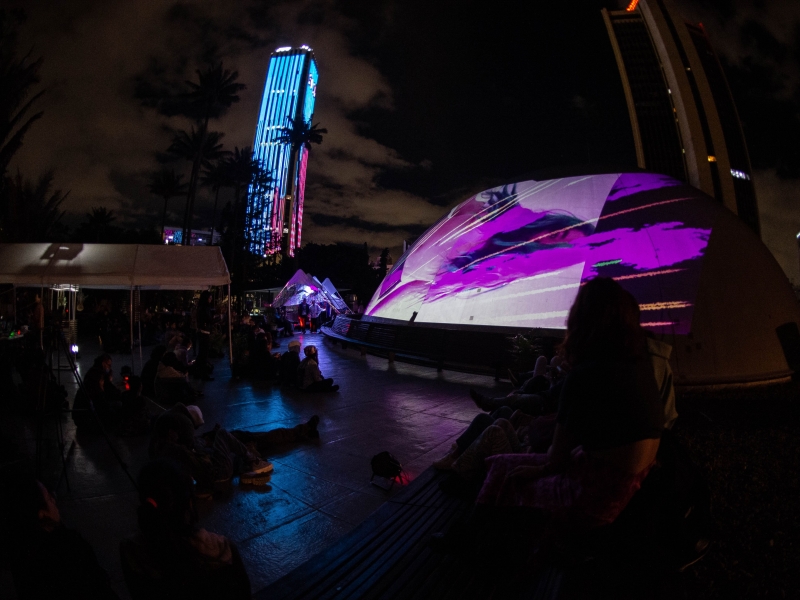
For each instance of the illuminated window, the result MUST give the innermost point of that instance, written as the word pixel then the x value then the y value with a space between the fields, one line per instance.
pixel 712 158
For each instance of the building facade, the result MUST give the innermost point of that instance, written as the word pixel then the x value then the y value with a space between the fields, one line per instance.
pixel 289 94
pixel 682 114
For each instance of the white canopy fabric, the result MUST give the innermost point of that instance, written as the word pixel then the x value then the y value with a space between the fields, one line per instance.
pixel 302 285
pixel 113 266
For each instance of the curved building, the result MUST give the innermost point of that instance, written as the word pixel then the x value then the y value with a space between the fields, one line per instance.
pixel 515 256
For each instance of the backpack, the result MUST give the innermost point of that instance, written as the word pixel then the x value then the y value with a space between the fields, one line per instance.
pixel 386 465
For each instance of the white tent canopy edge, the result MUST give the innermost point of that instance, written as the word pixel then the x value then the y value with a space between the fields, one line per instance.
pixel 115 266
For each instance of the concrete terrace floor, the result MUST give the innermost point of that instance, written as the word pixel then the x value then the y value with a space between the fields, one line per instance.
pixel 318 492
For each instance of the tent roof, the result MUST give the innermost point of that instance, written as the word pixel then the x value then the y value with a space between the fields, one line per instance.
pixel 113 266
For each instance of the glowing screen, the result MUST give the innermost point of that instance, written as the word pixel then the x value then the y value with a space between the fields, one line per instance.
pixel 516 255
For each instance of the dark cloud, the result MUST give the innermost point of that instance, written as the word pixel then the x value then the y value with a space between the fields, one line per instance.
pixel 367 226
pixel 425 102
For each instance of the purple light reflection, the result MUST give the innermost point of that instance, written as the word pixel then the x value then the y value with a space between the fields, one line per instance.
pixel 516 255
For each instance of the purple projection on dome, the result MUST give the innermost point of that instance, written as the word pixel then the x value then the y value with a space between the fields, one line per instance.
pixel 516 255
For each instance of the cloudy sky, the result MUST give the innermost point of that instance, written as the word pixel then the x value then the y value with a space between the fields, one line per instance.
pixel 425 102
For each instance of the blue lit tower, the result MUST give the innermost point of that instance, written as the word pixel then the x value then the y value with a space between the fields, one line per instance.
pixel 289 93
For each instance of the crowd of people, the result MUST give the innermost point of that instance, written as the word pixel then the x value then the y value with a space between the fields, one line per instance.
pixel 187 461
pixel 566 451
pixel 563 453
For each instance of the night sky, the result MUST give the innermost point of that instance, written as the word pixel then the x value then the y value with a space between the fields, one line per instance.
pixel 425 102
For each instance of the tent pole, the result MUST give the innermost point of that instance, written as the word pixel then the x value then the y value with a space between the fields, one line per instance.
pixel 139 321
pixel 131 322
pixel 230 336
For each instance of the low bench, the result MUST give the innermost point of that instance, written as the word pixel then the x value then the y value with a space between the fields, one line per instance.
pixel 387 556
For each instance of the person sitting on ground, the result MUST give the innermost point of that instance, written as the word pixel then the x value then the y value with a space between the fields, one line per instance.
pixel 503 432
pixel 609 424
pixel 134 416
pixel 170 557
pixel 47 559
pixel 262 362
pixel 98 398
pixel 538 394
pixel 309 377
pixel 210 460
pixel 289 363
pixel 171 383
pixel 150 370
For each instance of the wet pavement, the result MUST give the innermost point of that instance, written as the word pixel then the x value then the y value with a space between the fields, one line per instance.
pixel 319 490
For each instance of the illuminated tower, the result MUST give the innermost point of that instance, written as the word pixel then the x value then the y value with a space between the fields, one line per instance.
pixel 682 113
pixel 289 94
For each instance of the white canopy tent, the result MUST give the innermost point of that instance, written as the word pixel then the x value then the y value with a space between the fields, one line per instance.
pixel 115 266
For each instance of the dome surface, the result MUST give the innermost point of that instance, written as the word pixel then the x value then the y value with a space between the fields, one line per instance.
pixel 516 255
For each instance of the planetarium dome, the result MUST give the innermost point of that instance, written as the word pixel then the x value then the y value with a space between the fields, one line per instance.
pixel 515 256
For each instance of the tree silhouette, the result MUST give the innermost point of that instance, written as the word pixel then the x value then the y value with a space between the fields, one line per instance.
pixel 98 221
pixel 215 91
pixel 17 77
pixel 31 211
pixel 216 176
pixel 297 134
pixel 200 147
pixel 166 184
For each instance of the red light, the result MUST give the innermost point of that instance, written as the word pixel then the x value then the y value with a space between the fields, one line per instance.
pixel 632 6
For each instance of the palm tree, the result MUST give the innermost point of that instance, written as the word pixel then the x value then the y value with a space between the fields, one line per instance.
pixel 17 76
pixel 166 184
pixel 216 176
pixel 32 211
pixel 298 135
pixel 214 93
pixel 200 147
pixel 99 220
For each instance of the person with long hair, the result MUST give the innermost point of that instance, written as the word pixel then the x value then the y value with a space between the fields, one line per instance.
pixel 171 557
pixel 609 424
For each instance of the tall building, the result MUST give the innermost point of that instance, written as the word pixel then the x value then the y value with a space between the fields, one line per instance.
pixel 682 113
pixel 289 93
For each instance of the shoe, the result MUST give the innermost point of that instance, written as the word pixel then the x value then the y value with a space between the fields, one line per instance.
pixel 446 462
pixel 260 467
pixel 311 427
pixel 257 479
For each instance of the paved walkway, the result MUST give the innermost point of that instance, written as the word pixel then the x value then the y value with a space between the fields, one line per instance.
pixel 318 492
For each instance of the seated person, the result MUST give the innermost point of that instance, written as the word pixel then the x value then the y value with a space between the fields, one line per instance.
pixel 134 416
pixel 289 363
pixel 98 398
pixel 609 423
pixel 309 377
pixel 171 384
pixel 218 455
pixel 503 432
pixel 209 460
pixel 150 370
pixel 171 557
pixel 262 362
pixel 538 393
pixel 47 559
